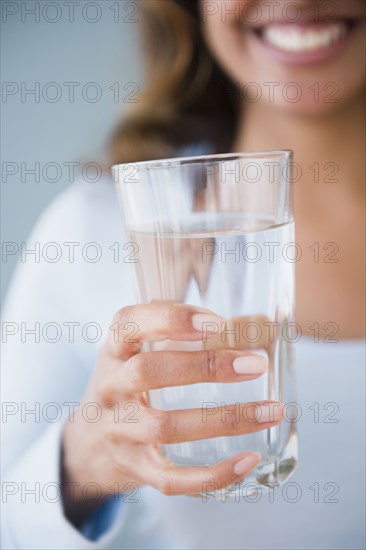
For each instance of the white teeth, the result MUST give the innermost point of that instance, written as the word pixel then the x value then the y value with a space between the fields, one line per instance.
pixel 296 40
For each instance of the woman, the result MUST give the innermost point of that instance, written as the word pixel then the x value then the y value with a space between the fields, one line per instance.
pixel 222 76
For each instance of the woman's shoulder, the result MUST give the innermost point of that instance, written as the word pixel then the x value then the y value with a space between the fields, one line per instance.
pixel 87 205
pixel 78 209
pixel 87 200
pixel 74 268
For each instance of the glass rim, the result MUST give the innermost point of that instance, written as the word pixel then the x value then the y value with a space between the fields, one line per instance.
pixel 193 159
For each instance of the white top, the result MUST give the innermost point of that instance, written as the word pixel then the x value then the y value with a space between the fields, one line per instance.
pixel 321 506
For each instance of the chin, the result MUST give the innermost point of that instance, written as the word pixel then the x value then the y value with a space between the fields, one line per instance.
pixel 313 98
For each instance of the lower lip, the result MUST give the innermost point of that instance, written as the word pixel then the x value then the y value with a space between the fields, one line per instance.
pixel 308 57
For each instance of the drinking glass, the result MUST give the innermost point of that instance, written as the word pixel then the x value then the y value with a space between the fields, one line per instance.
pixel 217 232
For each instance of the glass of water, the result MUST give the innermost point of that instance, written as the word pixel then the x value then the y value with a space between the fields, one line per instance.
pixel 217 232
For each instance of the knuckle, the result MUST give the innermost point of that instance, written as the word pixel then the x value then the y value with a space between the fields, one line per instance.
pixel 161 427
pixel 212 477
pixel 104 394
pixel 112 436
pixel 137 371
pixel 123 315
pixel 231 423
pixel 209 365
pixel 165 484
pixel 169 314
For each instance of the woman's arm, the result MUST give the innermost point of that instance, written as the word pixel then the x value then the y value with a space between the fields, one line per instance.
pixel 44 372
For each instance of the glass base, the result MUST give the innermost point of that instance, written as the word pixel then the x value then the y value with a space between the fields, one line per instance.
pixel 266 477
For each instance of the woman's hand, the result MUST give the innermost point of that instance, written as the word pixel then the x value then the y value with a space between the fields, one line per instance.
pixel 122 447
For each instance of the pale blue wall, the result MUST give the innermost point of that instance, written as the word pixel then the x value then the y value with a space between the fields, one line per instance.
pixel 35 50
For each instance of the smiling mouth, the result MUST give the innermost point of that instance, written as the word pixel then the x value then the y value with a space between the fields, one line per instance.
pixel 304 38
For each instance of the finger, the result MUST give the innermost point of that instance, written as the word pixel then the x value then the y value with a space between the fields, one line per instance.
pixel 158 321
pixel 152 370
pixel 163 427
pixel 177 480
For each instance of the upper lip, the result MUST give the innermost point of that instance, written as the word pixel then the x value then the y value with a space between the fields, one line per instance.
pixel 303 22
pixel 350 23
pixel 350 14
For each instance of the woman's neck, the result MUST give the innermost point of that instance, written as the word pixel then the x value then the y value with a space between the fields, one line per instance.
pixel 328 147
pixel 328 205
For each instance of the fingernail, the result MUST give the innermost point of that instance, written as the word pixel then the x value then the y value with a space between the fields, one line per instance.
pixel 210 324
pixel 250 364
pixel 269 413
pixel 246 464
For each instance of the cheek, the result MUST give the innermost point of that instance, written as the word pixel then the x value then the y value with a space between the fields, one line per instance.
pixel 228 45
pixel 223 24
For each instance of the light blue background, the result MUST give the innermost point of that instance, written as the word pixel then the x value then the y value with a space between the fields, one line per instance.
pixel 105 52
